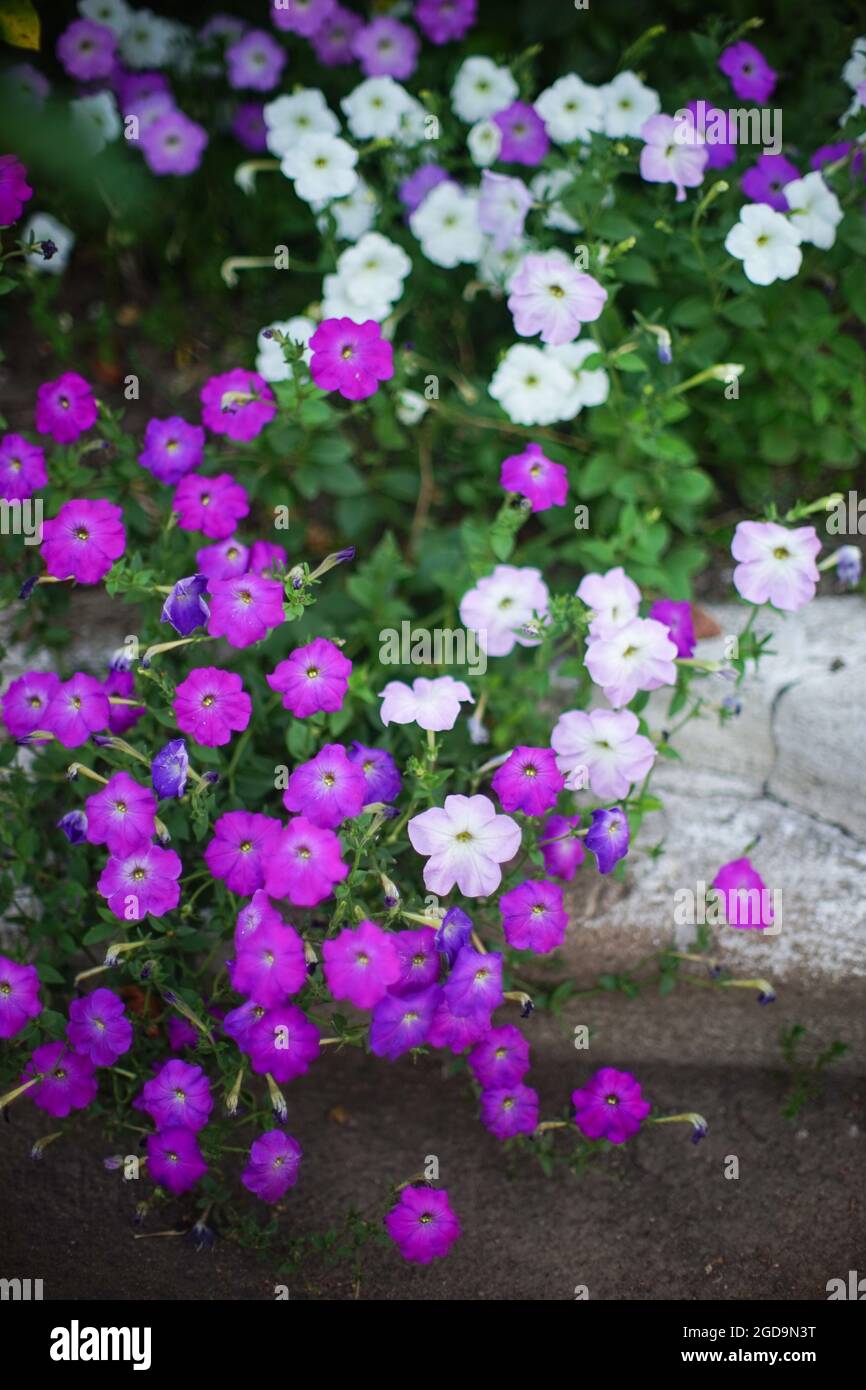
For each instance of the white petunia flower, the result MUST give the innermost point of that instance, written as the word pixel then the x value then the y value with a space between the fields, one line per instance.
pixel 271 363
pixel 481 88
pixel 571 110
pixel 813 210
pixel 337 302
pixel 588 388
pixel 484 142
pixel 766 243
pixel 446 224
pixel 627 104
pixel 322 167
pixel 147 40
pixel 374 269
pixel 530 385
pixel 289 118
pixel 854 71
pixel 374 110
pixel 43 227
pixel 354 215
pixel 411 407
pixel 114 14
pixel 431 704
pixel 97 118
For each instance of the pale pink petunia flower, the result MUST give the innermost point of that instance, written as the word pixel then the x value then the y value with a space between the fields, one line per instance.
pixel 506 608
pixel 607 744
pixel 613 598
pixel 667 159
pixel 776 565
pixel 431 704
pixel 639 656
pixel 465 842
pixel 502 208
pixel 548 295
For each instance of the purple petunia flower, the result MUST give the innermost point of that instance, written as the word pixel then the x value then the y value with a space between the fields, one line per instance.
pixel 333 40
pixel 14 189
pixel 327 789
pixel 255 61
pixel 677 618
pixel 414 190
pixel 270 964
pixel 386 48
pixel 87 50
pixel 453 933
pixel 267 557
pixel 305 17
pixel 510 1110
pixel 26 702
pixel 140 883
pixel 259 912
pixel 211 705
pixel 273 1167
pixel 249 128
pixel 566 853
pixel 536 477
pixel 765 181
pixel 69 1081
pixel 181 1033
pixel 312 678
pixel 174 1159
pixel 121 815
pixel 78 709
pixel 173 144
pixel 98 1027
pixel 361 963
pixel 245 609
pixel 213 506
pixel 74 827
pixel 283 1042
pixel 455 1031
pixel 351 358
pixel 170 768
pixel 19 987
pixel 610 1106
pixel 239 1023
pixel 419 960
pixel 529 781
pixel 172 448
pixel 83 541
pixel 401 1023
pixel 382 778
pixel 475 983
pixel 179 1095
pixel 714 127
pixel 65 408
pixel 122 718
pixel 747 899
pixel 22 466
pixel 443 21
pixel 750 74
pixel 608 838
pixel 239 850
pixel 534 917
pixel 524 138
pixel 186 607
pixel 500 1059
pixel 238 404
pixel 305 863
pixel 422 1224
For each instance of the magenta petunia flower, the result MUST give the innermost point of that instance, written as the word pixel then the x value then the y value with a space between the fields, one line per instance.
pixel 211 505
pixel 765 182
pixel 79 708
pixel 273 1166
pixel 422 1224
pixel 173 144
pixel 383 780
pixel 304 864
pixel 565 852
pixel 255 61
pixel 608 838
pixel 510 1110
pixel 386 48
pixel 328 789
pixel 350 357
pixel 500 1059
pixel 65 408
pixel 87 50
pixel 332 40
pixel 304 17
pixel 245 609
pixel 25 704
pixel 475 983
pixel 225 560
pixel 14 189
pixel 98 1027
pixel 534 916
pixel 259 912
pixel 172 448
pixel 179 1095
pixel 610 1106
pixel 19 988
pixel 776 565
pixel 401 1023
pixel 536 477
pixel 361 963
pixel 455 1031
pixel 267 557
pixel 83 541
pixel 312 678
pixel 142 882
pixel 443 21
pixel 529 781
pixel 238 404
pixel 239 849
pixel 238 1023
pixel 270 965
pixel 249 127
pixel 419 960
pixel 174 1159
pixel 211 705
pixel 121 815
pixel 283 1042
pixel 749 72
pixel 524 138
pixel 22 466
pixel 747 899
pixel 677 618
pixel 69 1081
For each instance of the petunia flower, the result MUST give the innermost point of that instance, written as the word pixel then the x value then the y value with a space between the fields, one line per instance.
pixel 510 1110
pixel 550 297
pixel 766 243
pixel 351 358
pixel 610 1106
pixel 305 864
pixel 211 705
pixel 245 609
pixel 422 1225
pixel 528 781
pixel 505 609
pixel 238 404
pixel 68 1080
pixel 174 1159
pixel 776 565
pixel 26 702
pixel 179 1094
pixel 500 1059
pixel 563 853
pixel 765 182
pixel 381 776
pixel 474 986
pixel 613 598
pixel 239 850
pixel 186 607
pixel 419 960
pixel 172 448
pixel 98 1027
pixel 83 541
pixel 169 769
pixel 78 709
pixel 677 618
pixel 431 704
pixel 534 476
pixel 22 465
pixel 606 745
pixel 283 1043
pixel 750 74
pixel 665 159
pixel 453 932
pixel 121 815
pixel 360 964
pixel 270 964
pixel 273 1165
pixel 19 1002
pixel 213 506
pixel 747 900
pixel 639 656
pixel 524 138
pixel 608 838
pixel 327 789
pixel 312 678
pixel 402 1022
pixel 465 842
pixel 534 916
pixel 142 882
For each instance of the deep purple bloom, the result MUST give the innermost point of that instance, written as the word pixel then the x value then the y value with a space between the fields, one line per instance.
pixel 170 769
pixel 312 678
pixel 213 506
pixel 239 1023
pixel 534 916
pixel 361 963
pixel 87 50
pixel 122 718
pixel 22 466
pixel 179 1094
pixel 135 87
pixel 524 138
pixel 304 17
pixel 533 475
pixel 566 852
pixel 83 541
pixel 500 1059
pixel 766 180
pixel 248 126
pixel 121 815
pixel 608 838
pixel 140 883
pixel 273 1166
pixel 475 983
pixel 245 609
pixel 69 1081
pixel 270 964
pixel 351 358
pixel 386 48
pixel 238 404
pixel 14 189
pixel 529 781
pixel 181 1033
pixel 186 607
pixel 510 1110
pixel 453 933
pixel 414 190
pixel 333 41
pixel 283 1042
pixel 610 1106
pixel 78 709
pixel 172 448
pixel 383 780
pixel 677 618
pixel 239 850
pixel 720 151
pixel 750 74
pixel 65 408
pixel 328 789
pixel 401 1023
pixel 305 863
pixel 74 827
pixel 455 1031
pixel 255 61
pixel 422 1224
pixel 26 702
pixel 443 21
pixel 98 1027
pixel 174 1159
pixel 173 144
pixel 19 988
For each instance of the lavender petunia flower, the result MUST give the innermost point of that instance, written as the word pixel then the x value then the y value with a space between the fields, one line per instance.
pixel 170 768
pixel 608 838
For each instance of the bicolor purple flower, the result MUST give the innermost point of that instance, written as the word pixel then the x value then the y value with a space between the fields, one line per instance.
pixel 475 983
pixel 79 708
pixel 172 448
pixel 524 138
pixel 528 781
pixel 401 1023
pixel 270 964
pixel 563 852
pixel 14 189
pixel 174 1159
pixel 245 609
pixel 749 73
pixel 381 775
pixel 500 1059
pixel 351 358
pixel 169 769
pixel 386 48
pixel 361 964
pixel 211 705
pixel 68 1080
pixel 534 916
pixel 444 21
pixel 327 789
pixel 83 541
pixel 533 475
pixel 140 883
pixel 610 1106
pixel 179 1095
pixel 333 40
pixel 273 1165
pixel 98 1027
pixel 312 678
pixel 121 815
pixel 510 1110
pixel 255 61
pixel 284 1042
pixel 608 838
pixel 748 903
pixel 766 180
pixel 414 189
pixel 238 404
pixel 186 607
pixel 422 1225
pixel 213 506
pixel 87 50
pixel 453 933
pixel 22 466
pixel 173 144
pixel 239 849
pixel 26 702
pixel 74 827
pixel 305 17
pixel 776 565
pixel 19 1001
pixel 305 864
pixel 65 408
